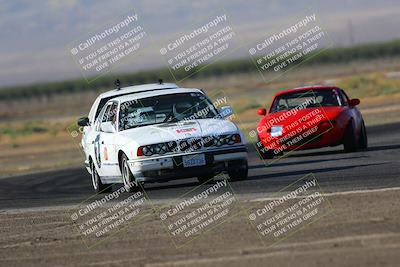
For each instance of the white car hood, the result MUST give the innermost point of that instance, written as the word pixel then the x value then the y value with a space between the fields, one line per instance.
pixel 167 132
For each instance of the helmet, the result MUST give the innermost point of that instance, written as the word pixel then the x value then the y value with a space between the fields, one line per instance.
pixel 179 110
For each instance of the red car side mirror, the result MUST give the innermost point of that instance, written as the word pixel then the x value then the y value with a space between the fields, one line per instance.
pixel 354 102
pixel 262 111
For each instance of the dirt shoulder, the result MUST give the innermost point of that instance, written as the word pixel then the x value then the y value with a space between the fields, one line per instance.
pixel 362 230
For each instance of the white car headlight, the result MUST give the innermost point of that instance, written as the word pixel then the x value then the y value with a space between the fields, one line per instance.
pixel 147 151
pixel 276 130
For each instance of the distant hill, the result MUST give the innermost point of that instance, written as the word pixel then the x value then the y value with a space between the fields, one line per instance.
pixel 331 55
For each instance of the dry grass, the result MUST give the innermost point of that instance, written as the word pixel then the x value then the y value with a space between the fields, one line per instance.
pixel 50 147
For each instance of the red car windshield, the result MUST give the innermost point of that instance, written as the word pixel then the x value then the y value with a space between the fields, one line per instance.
pixel 307 99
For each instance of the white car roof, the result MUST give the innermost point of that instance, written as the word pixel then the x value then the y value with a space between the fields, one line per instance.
pixel 138 88
pixel 125 98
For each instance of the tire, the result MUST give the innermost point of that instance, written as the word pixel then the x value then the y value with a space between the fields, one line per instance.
pixel 350 139
pixel 98 186
pixel 205 178
pixel 127 176
pixel 263 152
pixel 363 138
pixel 238 170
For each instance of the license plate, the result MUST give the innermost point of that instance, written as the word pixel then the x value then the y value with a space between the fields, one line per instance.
pixel 193 160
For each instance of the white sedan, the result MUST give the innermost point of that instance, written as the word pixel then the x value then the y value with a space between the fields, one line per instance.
pixel 161 135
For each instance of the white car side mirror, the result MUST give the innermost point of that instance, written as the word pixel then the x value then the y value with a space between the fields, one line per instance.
pixel 107 127
pixel 225 112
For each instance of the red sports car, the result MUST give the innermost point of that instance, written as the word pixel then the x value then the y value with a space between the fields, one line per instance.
pixel 310 117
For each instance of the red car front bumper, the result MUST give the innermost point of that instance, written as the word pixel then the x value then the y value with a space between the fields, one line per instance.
pixel 324 135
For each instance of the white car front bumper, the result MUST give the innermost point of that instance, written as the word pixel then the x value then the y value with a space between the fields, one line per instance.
pixel 169 167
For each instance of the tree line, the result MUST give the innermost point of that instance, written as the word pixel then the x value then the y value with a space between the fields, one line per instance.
pixel 327 56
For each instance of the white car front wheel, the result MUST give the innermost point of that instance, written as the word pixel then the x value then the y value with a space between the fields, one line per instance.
pixel 238 170
pixel 127 177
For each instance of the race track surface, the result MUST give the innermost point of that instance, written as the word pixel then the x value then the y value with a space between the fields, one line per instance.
pixel 336 171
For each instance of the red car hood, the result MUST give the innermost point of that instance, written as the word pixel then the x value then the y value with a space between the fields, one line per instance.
pixel 279 118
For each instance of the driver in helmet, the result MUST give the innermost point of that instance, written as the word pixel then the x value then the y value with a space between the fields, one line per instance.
pixel 180 110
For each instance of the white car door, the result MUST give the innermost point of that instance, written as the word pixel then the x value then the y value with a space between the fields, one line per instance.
pixel 104 142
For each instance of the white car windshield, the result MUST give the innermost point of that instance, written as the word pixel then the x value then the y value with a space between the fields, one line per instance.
pixel 165 109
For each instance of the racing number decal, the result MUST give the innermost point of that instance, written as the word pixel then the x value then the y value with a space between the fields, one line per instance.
pixel 97 150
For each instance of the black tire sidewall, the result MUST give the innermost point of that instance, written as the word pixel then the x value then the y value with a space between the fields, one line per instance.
pixel 363 139
pixel 239 173
pixel 95 181
pixel 101 188
pixel 123 162
pixel 350 140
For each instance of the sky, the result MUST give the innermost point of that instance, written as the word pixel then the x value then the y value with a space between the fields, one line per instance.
pixel 36 36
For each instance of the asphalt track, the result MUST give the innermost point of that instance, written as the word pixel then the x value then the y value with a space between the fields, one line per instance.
pixel 336 171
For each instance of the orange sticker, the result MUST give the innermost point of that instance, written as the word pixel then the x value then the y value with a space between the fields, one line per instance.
pixel 105 153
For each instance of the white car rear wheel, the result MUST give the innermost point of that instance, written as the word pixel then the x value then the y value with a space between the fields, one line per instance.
pixel 98 186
